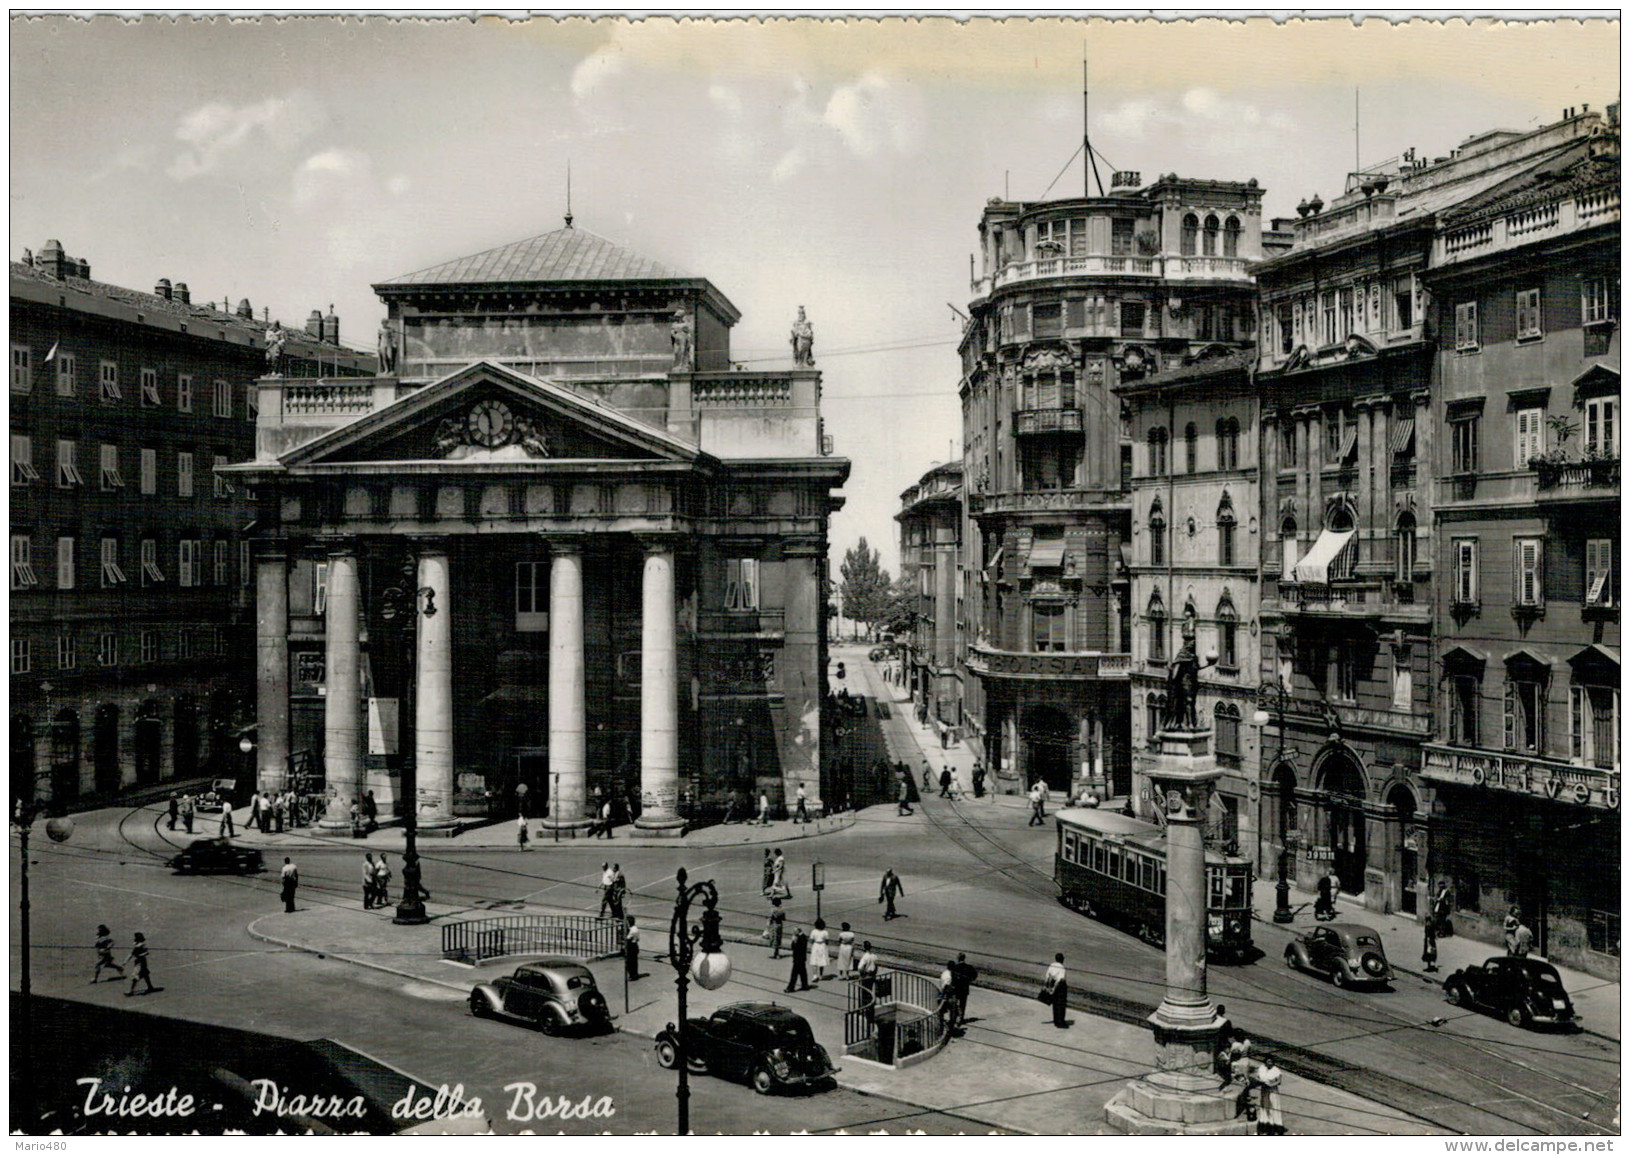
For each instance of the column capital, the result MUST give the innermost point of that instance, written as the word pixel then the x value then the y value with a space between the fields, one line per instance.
pixel 341 546
pixel 658 542
pixel 434 545
pixel 1372 401
pixel 563 542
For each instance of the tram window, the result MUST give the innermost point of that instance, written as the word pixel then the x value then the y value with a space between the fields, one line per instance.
pixel 1114 870
pixel 1098 857
pixel 1236 889
pixel 1148 872
pixel 1216 880
pixel 1072 852
pixel 1162 878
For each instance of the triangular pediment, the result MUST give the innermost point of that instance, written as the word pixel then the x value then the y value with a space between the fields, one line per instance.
pixel 489 414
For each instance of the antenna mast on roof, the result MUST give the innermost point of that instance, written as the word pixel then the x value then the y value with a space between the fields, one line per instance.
pixel 568 194
pixel 1086 133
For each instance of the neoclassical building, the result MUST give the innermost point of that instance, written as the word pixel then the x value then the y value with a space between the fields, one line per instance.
pixel 561 544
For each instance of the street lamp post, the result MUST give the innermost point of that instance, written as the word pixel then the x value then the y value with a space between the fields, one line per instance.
pixel 696 953
pixel 402 608
pixel 1282 912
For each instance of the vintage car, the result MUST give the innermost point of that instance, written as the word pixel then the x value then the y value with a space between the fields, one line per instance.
pixel 217 856
pixel 554 993
pixel 763 1044
pixel 1349 953
pixel 219 795
pixel 1524 991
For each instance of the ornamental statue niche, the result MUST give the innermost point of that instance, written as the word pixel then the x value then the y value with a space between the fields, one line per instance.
pixel 683 336
pixel 1183 685
pixel 803 340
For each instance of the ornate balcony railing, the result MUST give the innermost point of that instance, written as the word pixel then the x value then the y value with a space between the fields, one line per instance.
pixel 328 399
pixel 1101 265
pixel 1600 474
pixel 1047 421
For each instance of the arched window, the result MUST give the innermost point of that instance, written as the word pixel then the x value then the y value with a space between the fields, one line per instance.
pixel 1157 451
pixel 1157 535
pixel 1157 628
pixel 1191 448
pixel 1157 707
pixel 1405 553
pixel 1227 635
pixel 1289 548
pixel 1225 532
pixel 1225 722
pixel 1231 237
pixel 1341 521
pixel 1228 443
pixel 1191 234
pixel 1212 229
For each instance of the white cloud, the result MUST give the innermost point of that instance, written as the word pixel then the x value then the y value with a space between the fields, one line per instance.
pixel 1200 119
pixel 595 71
pixel 874 114
pixel 217 134
pixel 790 165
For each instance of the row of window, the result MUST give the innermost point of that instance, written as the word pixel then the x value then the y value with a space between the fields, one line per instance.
pixel 198 563
pixel 1225 726
pixel 109 649
pixel 1593 715
pixel 1227 630
pixel 1600 429
pixel 65 375
pixel 1598 302
pixel 110 477
pixel 1528 571
pixel 1329 317
pixel 1227 430
pixel 1043 320
pixel 1226 526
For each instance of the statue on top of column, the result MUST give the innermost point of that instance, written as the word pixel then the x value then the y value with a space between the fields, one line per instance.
pixel 276 339
pixel 1183 684
pixel 803 340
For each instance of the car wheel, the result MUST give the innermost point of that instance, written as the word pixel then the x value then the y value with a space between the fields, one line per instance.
pixel 1517 1016
pixel 763 1081
pixel 667 1055
pixel 480 1005
pixel 1338 975
pixel 1454 994
pixel 1374 965
pixel 1290 958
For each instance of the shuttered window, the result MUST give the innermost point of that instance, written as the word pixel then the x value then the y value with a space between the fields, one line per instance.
pixel 1530 436
pixel 1526 558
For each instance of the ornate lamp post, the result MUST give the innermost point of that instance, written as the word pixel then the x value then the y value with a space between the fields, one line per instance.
pixel 402 606
pixel 1282 912
pixel 26 807
pixel 696 953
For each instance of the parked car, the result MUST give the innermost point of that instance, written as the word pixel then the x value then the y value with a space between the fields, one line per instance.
pixel 555 993
pixel 763 1044
pixel 1351 954
pixel 1524 991
pixel 220 794
pixel 217 856
pixel 881 653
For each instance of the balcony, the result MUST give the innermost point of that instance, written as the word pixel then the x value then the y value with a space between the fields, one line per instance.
pixel 1027 421
pixel 763 624
pixel 1527 224
pixel 1590 786
pixel 1170 267
pixel 1089 666
pixel 1587 479
pixel 1206 269
pixel 1361 600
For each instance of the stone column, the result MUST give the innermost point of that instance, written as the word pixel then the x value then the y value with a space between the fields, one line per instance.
pixel 659 696
pixel 342 702
pixel 433 692
pixel 271 670
pixel 568 784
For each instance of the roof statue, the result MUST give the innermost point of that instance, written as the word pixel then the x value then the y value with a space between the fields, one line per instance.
pixel 803 340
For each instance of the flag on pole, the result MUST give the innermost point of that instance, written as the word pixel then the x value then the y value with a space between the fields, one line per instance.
pixel 52 355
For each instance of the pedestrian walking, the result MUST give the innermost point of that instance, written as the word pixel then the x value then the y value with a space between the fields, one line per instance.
pixel 767 875
pixel 946 1007
pixel 819 958
pixel 1056 990
pixel 889 890
pixel 520 833
pixel 1429 945
pixel 763 808
pixel 187 808
pixel 138 959
pixel 104 952
pixel 1324 906
pixel 1222 1057
pixel 1038 804
pixel 963 975
pixel 254 810
pixel 226 830
pixel 778 875
pixel 280 811
pixel 774 927
pixel 266 813
pixel 618 892
pixel 1441 906
pixel 175 809
pixel 904 806
pixel 928 777
pixel 1522 940
pixel 846 951
pixel 799 979
pixel 290 876
pixel 606 819
pixel 369 881
pixel 382 882
pixel 1513 919
pixel 945 782
pixel 978 780
pixel 520 799
pixel 606 876
pixel 1269 1119
pixel 631 950
pixel 370 812
pixel 802 814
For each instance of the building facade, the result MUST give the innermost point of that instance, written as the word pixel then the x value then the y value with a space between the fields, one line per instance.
pixel 1524 758
pixel 1076 297
pixel 130 602
pixel 931 517
pixel 1193 566
pixel 561 543
pixel 1346 382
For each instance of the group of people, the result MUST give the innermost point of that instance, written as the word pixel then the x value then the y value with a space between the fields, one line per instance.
pixel 269 813
pixel 814 952
pixel 136 960
pixel 1259 1080
pixel 376 881
pixel 613 890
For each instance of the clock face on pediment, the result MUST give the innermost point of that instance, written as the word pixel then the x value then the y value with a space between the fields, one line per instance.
pixel 490 423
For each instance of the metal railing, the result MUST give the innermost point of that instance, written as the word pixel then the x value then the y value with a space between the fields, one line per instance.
pixel 575 934
pixel 915 1027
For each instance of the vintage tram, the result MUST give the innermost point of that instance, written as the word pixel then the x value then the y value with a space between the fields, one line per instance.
pixel 1113 868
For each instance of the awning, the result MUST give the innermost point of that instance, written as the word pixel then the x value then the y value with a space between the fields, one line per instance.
pixel 1048 555
pixel 1349 440
pixel 1314 568
pixel 1403 433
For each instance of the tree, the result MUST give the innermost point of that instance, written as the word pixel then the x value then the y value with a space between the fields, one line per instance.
pixel 901 616
pixel 865 587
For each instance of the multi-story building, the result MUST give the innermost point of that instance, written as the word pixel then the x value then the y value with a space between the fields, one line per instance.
pixel 130 604
pixel 1524 759
pixel 1075 297
pixel 561 543
pixel 1345 384
pixel 930 518
pixel 1194 567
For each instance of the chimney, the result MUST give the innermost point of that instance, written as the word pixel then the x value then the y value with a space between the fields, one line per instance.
pixel 245 310
pixel 162 289
pixel 182 293
pixel 314 325
pixel 331 327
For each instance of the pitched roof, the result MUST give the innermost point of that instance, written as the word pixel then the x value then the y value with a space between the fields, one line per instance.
pixel 567 254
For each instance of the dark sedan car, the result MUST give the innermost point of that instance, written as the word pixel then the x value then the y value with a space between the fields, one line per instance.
pixel 554 993
pixel 1349 953
pixel 1523 991
pixel 217 856
pixel 762 1044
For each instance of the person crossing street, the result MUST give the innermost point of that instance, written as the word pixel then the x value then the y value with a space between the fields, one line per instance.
pixel 890 890
pixel 104 953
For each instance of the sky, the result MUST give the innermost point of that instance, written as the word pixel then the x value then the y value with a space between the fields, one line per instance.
pixel 837 164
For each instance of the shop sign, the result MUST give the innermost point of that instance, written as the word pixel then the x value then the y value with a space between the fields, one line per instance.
pixel 1577 784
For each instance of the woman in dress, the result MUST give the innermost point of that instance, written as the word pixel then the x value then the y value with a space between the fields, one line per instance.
pixel 819 960
pixel 769 873
pixel 846 952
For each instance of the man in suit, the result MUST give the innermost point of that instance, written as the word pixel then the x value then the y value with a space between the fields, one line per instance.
pixel 800 961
